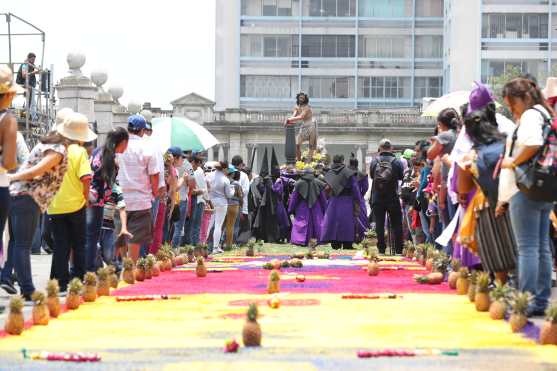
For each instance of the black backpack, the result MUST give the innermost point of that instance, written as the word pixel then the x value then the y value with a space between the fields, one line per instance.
pixel 383 176
pixel 407 190
pixel 19 78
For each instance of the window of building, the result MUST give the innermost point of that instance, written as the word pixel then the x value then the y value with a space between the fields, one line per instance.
pixel 428 87
pixel 429 46
pixel 273 46
pixel 328 87
pixel 515 25
pixel 385 46
pixel 268 8
pixel 385 8
pixel 380 87
pixel 429 8
pixel 497 67
pixel 328 46
pixel 268 86
pixel 332 8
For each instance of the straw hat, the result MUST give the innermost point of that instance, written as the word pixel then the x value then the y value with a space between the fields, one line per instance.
pixel 550 89
pixel 7 81
pixel 62 114
pixel 76 127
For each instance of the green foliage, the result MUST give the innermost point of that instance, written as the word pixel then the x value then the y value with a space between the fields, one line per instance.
pixel 252 312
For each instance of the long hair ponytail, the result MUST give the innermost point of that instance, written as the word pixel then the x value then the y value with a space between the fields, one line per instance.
pixel 113 139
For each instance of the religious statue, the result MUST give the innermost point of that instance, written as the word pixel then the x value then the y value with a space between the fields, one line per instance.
pixel 308 130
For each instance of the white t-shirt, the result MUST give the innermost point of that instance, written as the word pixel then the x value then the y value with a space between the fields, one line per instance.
pixel 244 183
pixel 529 133
pixel 186 168
pixel 158 156
pixel 200 184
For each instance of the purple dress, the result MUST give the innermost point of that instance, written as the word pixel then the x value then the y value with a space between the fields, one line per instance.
pixel 307 223
pixel 282 216
pixel 339 223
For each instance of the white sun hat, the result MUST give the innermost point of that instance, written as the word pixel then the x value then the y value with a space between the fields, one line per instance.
pixel 62 114
pixel 7 84
pixel 76 127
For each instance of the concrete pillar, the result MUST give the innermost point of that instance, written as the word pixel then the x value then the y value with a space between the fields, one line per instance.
pixel 76 91
pixel 210 154
pixel 235 145
pixel 360 157
pixel 221 152
pixel 103 106
pixel 119 112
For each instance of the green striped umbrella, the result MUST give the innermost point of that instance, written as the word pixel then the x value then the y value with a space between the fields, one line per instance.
pixel 182 132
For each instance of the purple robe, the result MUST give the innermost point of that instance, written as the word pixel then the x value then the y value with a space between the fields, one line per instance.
pixel 340 223
pixel 280 211
pixel 307 223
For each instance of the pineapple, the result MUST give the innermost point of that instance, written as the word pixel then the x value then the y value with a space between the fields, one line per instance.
pixel 499 296
pixel 103 286
pixel 431 255
pixel 251 334
pixel 453 276
pixel 462 283
pixel 40 309
pixel 190 254
pixel 73 300
pixel 201 269
pixel 473 279
pixel 15 321
pixel 482 292
pixel 285 264
pixel 548 333
pixel 274 282
pixel 312 244
pixel 90 288
pixel 128 275
pixel 113 277
pixel 520 302
pixel 152 263
pixel 250 251
pixel 373 265
pixel 52 300
pixel 149 265
pixel 441 263
pixel 140 268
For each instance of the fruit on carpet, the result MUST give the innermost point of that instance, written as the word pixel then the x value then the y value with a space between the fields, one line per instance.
pixel 73 300
pixel 433 278
pixel 251 334
pixel 113 277
pixel 462 281
pixel 268 266
pixel 140 268
pixel 274 302
pixel 298 255
pixel 499 297
pixel 519 306
pixel 300 278
pixel 190 254
pixel 441 263
pixel 296 263
pixel 322 255
pixel 453 276
pixel 149 266
pixel 103 287
pixel 548 333
pixel 250 250
pixel 231 346
pixel 473 279
pixel 152 265
pixel 128 272
pixel 41 315
pixel 90 287
pixel 201 269
pixel 274 282
pixel 373 265
pixel 312 244
pixel 52 299
pixel 482 292
pixel 285 264
pixel 15 321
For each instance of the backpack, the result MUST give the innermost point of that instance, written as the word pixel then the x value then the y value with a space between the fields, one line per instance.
pixel 537 178
pixel 20 80
pixel 407 190
pixel 383 176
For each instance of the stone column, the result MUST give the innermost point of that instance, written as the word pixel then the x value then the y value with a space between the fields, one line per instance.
pixel 235 145
pixel 211 154
pixel 360 157
pixel 76 91
pixel 221 152
pixel 119 112
pixel 103 106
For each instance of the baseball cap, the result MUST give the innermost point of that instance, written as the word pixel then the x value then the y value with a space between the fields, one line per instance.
pixel 385 143
pixel 480 97
pixel 137 122
pixel 175 151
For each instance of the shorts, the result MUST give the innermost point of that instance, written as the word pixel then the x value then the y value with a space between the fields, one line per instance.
pixel 140 225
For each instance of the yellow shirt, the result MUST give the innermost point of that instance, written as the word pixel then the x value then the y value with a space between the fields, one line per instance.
pixel 70 198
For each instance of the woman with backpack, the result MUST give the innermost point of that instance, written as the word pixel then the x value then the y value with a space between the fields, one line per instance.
pixel 529 217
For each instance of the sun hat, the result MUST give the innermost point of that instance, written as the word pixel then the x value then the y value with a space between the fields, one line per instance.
pixel 62 114
pixel 7 84
pixel 76 127
pixel 137 122
pixel 550 89
pixel 175 151
pixel 480 97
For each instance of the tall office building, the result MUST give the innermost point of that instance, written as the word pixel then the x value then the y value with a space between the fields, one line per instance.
pixel 345 54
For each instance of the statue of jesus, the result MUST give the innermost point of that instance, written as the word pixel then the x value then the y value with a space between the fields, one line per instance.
pixel 308 130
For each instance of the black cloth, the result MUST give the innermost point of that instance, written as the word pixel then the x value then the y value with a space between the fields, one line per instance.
pixel 395 213
pixel 398 175
pixel 338 178
pixel 32 77
pixel 68 232
pixel 262 203
pixel 309 188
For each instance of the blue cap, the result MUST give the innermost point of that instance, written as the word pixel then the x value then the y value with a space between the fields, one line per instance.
pixel 137 122
pixel 175 151
pixel 232 169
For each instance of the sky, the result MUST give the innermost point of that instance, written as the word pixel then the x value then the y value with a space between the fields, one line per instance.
pixel 157 51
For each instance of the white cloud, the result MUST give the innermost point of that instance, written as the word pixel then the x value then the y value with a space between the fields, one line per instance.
pixel 157 50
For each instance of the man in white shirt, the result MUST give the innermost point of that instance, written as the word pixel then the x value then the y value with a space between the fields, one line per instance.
pixel 199 197
pixel 238 162
pixel 138 176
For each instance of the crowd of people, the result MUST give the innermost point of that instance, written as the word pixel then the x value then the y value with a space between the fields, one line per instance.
pixel 460 190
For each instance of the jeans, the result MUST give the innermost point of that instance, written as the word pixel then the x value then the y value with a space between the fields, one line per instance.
pixel 107 245
pixel 68 231
pixel 94 222
pixel 179 225
pixel 424 220
pixel 196 216
pixel 4 210
pixel 530 223
pixel 395 213
pixel 24 217
pixel 41 234
pixel 188 225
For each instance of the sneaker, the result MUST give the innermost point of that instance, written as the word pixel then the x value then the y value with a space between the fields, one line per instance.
pixel 9 288
pixel 218 251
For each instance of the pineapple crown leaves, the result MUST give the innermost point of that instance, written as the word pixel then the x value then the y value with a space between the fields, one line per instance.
pixel 16 304
pixel 141 264
pixel 128 264
pixel 200 260
pixel 75 286
pixel 150 261
pixel 274 276
pixel 111 269
pixel 370 233
pixel 103 274
pixel 500 292
pixel 90 279
pixel 482 284
pixel 455 265
pixel 252 312
pixel 463 272
pixel 473 277
pixel 52 288
pixel 520 302
pixel 312 243
pixel 551 312
pixel 38 297
pixel 251 243
pixel 161 254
